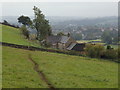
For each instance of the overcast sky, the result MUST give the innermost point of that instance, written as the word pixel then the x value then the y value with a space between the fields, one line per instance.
pixel 78 9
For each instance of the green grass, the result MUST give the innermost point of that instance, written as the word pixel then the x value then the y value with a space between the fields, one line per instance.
pixel 86 41
pixel 17 70
pixel 83 41
pixel 77 72
pixel 63 71
pixel 13 35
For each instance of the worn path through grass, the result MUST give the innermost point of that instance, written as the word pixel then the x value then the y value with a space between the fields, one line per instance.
pixel 40 73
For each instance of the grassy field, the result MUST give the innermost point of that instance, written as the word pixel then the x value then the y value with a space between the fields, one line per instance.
pixel 63 71
pixel 13 35
pixel 86 41
pixel 17 70
pixel 77 72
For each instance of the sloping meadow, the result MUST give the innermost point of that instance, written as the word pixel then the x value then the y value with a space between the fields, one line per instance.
pixel 14 35
pixel 66 71
pixel 18 71
pixel 63 71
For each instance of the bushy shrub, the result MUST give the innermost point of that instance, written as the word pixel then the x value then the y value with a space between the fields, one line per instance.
pixel 94 51
pixel 25 32
pixel 110 54
pixel 45 44
pixel 109 47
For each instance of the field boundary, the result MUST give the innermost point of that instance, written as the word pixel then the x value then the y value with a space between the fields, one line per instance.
pixel 40 73
pixel 32 48
pixel 9 25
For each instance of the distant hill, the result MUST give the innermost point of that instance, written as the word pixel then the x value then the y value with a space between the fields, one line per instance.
pixel 69 20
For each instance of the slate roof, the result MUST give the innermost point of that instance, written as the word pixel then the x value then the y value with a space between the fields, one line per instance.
pixel 71 46
pixel 79 47
pixel 57 39
pixel 64 39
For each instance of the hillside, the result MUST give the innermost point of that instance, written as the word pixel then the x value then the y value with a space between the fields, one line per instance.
pixel 61 70
pixel 17 70
pixel 38 69
pixel 13 35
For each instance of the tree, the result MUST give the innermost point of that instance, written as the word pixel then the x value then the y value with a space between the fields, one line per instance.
pixel 107 37
pixel 41 24
pixel 25 20
pixel 25 32
pixel 109 47
pixel 115 39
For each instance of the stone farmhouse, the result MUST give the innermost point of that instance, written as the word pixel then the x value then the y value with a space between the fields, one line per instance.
pixel 64 43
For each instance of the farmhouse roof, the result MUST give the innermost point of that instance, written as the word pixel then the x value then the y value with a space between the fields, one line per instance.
pixel 71 46
pixel 57 39
pixel 64 39
pixel 79 47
